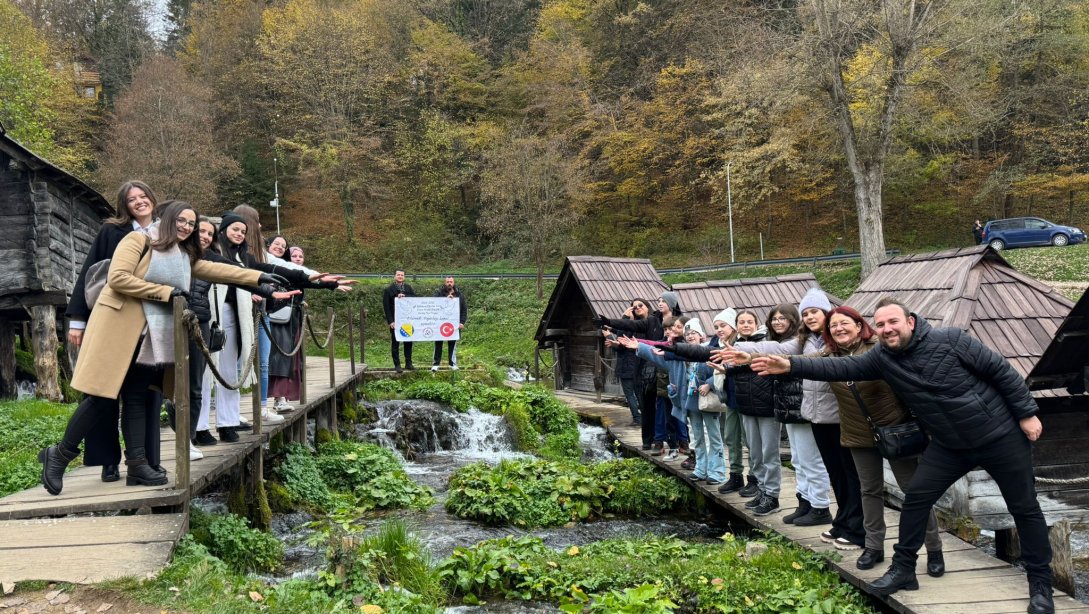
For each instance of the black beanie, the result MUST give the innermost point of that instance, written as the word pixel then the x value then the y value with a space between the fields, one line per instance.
pixel 229 218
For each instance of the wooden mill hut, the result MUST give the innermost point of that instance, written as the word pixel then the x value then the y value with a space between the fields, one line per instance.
pixel 975 289
pixel 706 298
pixel 49 220
pixel 590 285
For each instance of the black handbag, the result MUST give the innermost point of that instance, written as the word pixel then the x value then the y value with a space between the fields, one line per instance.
pixel 216 336
pixel 893 442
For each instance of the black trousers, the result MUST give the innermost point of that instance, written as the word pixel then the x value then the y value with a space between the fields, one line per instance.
pixel 1009 461
pixel 395 345
pixel 648 402
pixel 102 446
pixel 135 417
pixel 843 477
pixel 197 363
pixel 437 358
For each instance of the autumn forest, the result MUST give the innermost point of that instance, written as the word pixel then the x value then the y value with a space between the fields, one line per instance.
pixel 430 132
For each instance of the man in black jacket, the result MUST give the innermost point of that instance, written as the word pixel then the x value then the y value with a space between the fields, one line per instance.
pixel 450 290
pixel 398 289
pixel 978 412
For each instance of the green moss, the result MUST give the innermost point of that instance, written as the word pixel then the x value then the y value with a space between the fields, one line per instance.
pixel 325 436
pixel 279 498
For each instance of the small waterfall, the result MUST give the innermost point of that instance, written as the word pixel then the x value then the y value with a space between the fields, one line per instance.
pixel 595 444
pixel 25 389
pixel 414 427
pixel 484 436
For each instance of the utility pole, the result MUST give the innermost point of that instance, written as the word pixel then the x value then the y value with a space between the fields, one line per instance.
pixel 730 209
pixel 275 202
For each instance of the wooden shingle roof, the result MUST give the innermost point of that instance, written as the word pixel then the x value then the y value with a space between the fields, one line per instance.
pixel 1065 359
pixel 976 290
pixel 761 294
pixel 608 285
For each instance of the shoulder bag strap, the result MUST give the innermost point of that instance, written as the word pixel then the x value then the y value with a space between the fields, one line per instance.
pixel 862 407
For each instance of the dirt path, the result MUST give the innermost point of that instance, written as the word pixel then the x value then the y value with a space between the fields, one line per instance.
pixel 73 600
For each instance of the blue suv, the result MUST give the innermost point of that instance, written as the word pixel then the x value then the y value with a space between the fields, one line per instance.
pixel 1029 231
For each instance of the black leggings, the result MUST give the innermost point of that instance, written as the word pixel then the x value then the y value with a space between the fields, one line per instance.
pixel 136 414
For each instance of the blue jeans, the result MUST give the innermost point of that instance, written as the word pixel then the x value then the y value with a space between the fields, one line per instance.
pixel 707 441
pixel 264 348
pixel 631 394
pixel 667 428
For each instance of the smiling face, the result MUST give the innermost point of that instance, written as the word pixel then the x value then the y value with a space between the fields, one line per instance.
pixel 722 330
pixel 780 323
pixel 639 310
pixel 893 326
pixel 677 330
pixel 207 231
pixel 278 247
pixel 844 330
pixel 236 233
pixel 746 324
pixel 140 206
pixel 186 222
pixel 814 319
pixel 399 277
pixel 693 337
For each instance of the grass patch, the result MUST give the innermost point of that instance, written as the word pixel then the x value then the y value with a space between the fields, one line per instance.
pixel 25 428
pixel 1069 263
pixel 537 493
pixel 838 278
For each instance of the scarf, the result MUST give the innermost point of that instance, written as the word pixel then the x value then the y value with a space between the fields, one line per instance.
pixel 170 268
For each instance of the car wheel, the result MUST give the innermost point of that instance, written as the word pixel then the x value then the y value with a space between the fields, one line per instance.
pixel 998 244
pixel 1060 240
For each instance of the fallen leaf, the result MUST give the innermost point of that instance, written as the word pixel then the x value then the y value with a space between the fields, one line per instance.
pixel 254 596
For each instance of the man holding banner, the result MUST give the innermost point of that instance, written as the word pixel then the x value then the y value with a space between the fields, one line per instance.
pixel 434 318
pixel 449 290
pixel 395 293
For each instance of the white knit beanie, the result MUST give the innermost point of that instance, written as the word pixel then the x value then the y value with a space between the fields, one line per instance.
pixel 729 316
pixel 815 298
pixel 694 325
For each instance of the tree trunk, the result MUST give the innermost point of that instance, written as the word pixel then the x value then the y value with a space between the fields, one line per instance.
pixel 45 344
pixel 871 231
pixel 7 359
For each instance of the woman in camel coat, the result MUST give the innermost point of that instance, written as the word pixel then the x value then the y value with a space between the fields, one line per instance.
pixel 124 349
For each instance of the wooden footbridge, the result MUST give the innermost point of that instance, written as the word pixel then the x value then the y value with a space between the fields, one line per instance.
pixel 974 583
pixel 94 531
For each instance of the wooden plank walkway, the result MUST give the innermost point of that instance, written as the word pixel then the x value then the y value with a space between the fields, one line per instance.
pixel 84 543
pixel 974 583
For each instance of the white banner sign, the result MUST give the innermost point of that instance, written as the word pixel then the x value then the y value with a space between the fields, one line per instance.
pixel 426 319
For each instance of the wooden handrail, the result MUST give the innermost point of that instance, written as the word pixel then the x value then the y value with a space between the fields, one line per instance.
pixel 181 398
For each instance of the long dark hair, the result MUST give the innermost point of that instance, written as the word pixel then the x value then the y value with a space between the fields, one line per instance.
pixel 790 312
pixel 122 215
pixel 168 231
pixel 214 245
pixel 650 311
pixel 866 333
pixel 253 231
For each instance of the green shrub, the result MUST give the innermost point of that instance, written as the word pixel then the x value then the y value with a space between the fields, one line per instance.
pixel 398 557
pixel 25 428
pixel 303 480
pixel 231 539
pixel 372 474
pixel 533 493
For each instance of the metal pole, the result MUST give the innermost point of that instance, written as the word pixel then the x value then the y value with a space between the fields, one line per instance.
pixel 729 208
pixel 761 245
pixel 276 189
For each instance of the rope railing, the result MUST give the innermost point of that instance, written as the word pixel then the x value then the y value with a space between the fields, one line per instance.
pixel 329 334
pixel 193 326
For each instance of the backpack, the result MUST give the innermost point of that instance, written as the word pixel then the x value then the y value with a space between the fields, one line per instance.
pixel 97 275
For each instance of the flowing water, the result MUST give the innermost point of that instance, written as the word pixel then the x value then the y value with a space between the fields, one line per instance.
pixel 434 441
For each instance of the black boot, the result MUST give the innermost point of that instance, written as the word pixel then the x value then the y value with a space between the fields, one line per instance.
pixel 110 473
pixel 140 473
pixel 751 489
pixel 816 516
pixel 54 460
pixel 1040 598
pixel 935 563
pixel 803 509
pixel 895 578
pixel 869 558
pixel 734 484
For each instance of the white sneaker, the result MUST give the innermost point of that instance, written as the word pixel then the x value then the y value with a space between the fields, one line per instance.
pixel 194 452
pixel 270 417
pixel 453 367
pixel 282 405
pixel 435 369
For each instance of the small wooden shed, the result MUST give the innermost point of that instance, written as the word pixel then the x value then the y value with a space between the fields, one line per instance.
pixel 48 220
pixel 590 285
pixel 760 294
pixel 976 290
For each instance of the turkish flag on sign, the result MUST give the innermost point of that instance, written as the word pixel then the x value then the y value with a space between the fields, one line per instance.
pixel 447 329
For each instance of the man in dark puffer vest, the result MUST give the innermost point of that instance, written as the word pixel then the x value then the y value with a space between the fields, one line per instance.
pixel 978 412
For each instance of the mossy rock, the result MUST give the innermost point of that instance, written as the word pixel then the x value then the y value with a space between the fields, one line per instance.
pixel 325 436
pixel 279 498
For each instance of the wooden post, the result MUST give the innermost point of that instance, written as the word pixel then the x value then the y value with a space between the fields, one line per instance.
pixel 351 341
pixel 7 359
pixel 363 334
pixel 1062 563
pixel 302 359
pixel 181 399
pixel 44 340
pixel 332 347
pixel 599 369
pixel 537 363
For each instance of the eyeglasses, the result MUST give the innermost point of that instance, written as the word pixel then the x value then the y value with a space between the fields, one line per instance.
pixel 185 223
pixel 780 319
pixel 851 324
